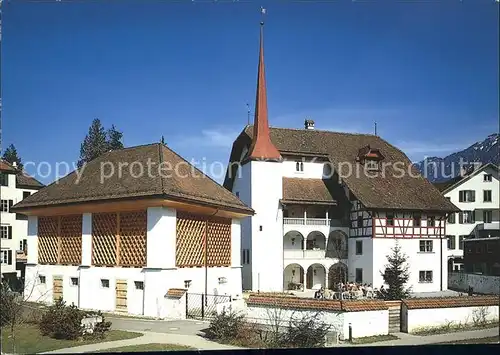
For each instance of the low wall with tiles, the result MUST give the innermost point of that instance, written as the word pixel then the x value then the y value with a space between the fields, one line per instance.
pixel 420 314
pixel 484 284
pixel 366 318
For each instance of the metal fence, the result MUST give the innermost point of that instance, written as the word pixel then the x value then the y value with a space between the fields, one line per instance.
pixel 203 306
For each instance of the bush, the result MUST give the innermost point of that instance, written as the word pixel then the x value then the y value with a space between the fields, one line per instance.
pixel 306 332
pixel 225 326
pixel 100 328
pixel 62 322
pixel 8 305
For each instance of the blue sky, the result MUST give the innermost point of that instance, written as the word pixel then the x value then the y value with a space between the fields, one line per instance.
pixel 427 72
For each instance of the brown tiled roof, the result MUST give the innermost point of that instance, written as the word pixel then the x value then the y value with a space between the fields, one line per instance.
pixel 451 302
pixel 176 292
pixel 23 180
pixel 6 167
pixel 309 190
pixel 287 302
pixel 408 192
pixel 170 177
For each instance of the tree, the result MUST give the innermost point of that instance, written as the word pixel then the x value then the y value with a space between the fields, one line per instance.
pixel 99 141
pixel 396 274
pixel 10 155
pixel 114 138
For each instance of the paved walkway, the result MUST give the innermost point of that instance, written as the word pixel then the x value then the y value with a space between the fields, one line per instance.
pixel 408 339
pixel 148 338
pixel 185 327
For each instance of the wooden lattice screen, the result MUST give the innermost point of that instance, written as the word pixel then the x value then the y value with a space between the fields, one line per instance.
pixel 190 244
pixel 219 242
pixel 132 238
pixel 48 240
pixel 60 240
pixel 119 239
pixel 70 240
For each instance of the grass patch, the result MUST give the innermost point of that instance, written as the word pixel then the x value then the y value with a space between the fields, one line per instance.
pixel 147 347
pixel 452 328
pixel 374 339
pixel 487 340
pixel 30 341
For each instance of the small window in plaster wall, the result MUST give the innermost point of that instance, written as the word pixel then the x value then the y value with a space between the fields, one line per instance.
pixel 74 281
pixel 425 276
pixel 104 283
pixel 488 178
pixel 42 279
pixel 359 247
pixel 359 276
pixel 139 285
pixel 390 220
pixel 260 228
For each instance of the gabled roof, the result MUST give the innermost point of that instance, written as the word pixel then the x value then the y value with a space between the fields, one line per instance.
pixel 26 181
pixel 170 177
pixel 452 183
pixel 22 179
pixel 392 191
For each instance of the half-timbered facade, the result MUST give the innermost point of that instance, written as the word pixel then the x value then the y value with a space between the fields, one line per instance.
pixel 330 207
pixel 119 240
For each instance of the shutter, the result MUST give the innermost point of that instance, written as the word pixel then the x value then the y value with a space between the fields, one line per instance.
pixel 461 217
pixel 9 232
pixel 9 257
pixel 11 202
pixel 473 196
pixel 473 216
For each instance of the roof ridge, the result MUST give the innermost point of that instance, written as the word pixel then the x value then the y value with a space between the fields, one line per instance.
pixel 317 130
pixel 205 175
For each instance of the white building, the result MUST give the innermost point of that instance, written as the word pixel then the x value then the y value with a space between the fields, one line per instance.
pixel 139 224
pixel 14 187
pixel 476 194
pixel 330 206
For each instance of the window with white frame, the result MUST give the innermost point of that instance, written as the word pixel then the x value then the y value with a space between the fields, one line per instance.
pixel 359 247
pixel 431 221
pixel 466 196
pixel 299 166
pixel 5 205
pixel 487 216
pixel 104 283
pixel 371 165
pixel 417 220
pixel 451 241
pixel 4 179
pixel 466 217
pixel 486 195
pixel 487 178
pixel 6 257
pixel 425 276
pixel 451 218
pixel 426 246
pixel 5 232
pixel 23 245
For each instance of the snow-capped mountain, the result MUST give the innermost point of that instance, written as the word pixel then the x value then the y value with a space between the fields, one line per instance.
pixel 440 169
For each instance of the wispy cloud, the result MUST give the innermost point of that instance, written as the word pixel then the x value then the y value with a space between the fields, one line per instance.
pixel 213 138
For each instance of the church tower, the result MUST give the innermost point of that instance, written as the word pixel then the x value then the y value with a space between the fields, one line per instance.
pixel 260 185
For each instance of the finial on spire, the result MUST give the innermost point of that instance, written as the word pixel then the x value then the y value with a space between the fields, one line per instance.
pixel 262 12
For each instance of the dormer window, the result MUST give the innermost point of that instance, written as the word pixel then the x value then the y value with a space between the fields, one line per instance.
pixel 370 158
pixel 299 166
pixel 371 165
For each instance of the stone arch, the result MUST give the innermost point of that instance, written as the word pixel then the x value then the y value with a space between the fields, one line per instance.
pixel 337 245
pixel 316 239
pixel 337 273
pixel 293 240
pixel 293 274
pixel 316 276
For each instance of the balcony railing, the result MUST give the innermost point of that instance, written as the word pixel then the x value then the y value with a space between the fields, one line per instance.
pixel 312 254
pixel 313 222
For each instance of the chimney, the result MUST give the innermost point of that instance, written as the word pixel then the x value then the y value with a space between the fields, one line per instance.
pixel 14 164
pixel 309 124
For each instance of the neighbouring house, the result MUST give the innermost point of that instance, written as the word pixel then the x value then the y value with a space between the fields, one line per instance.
pixel 15 186
pixel 129 227
pixel 481 255
pixel 330 207
pixel 476 193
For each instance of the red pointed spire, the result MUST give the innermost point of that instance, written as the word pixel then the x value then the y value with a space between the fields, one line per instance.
pixel 262 148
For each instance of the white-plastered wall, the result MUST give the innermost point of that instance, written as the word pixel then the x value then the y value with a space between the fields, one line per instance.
pixel 437 317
